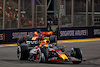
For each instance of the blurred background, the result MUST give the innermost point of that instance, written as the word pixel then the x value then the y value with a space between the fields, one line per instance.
pixel 15 14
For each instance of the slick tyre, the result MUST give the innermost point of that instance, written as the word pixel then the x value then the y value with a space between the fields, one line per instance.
pixel 45 52
pixel 22 53
pixel 53 39
pixel 77 54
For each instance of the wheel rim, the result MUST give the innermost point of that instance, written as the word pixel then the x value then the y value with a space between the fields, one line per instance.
pixel 18 54
pixel 38 57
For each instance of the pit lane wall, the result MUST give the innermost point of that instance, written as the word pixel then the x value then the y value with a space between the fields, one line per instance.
pixel 65 33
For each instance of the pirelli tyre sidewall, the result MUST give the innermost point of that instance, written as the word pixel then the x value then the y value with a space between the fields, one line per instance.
pixel 22 53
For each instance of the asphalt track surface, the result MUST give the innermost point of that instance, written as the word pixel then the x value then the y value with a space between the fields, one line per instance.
pixel 91 52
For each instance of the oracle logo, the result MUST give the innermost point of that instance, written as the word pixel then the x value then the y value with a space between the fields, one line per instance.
pixel 32 42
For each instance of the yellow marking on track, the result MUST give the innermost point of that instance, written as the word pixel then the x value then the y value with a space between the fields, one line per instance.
pixel 7 45
pixel 80 40
pixel 60 41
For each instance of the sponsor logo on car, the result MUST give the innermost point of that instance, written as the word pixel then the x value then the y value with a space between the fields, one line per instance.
pixel 32 42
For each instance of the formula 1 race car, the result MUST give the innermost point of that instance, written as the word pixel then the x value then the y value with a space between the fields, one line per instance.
pixel 44 49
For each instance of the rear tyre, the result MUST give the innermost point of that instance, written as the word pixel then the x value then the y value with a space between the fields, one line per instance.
pixel 22 53
pixel 77 53
pixel 53 39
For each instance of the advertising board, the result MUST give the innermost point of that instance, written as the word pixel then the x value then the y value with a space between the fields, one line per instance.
pixel 65 33
pixel 14 34
pixel 79 32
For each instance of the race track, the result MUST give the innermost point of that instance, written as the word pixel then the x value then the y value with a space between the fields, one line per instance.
pixel 91 51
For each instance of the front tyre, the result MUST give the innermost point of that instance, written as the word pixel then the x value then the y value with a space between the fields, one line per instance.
pixel 45 52
pixel 22 52
pixel 77 53
pixel 38 57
